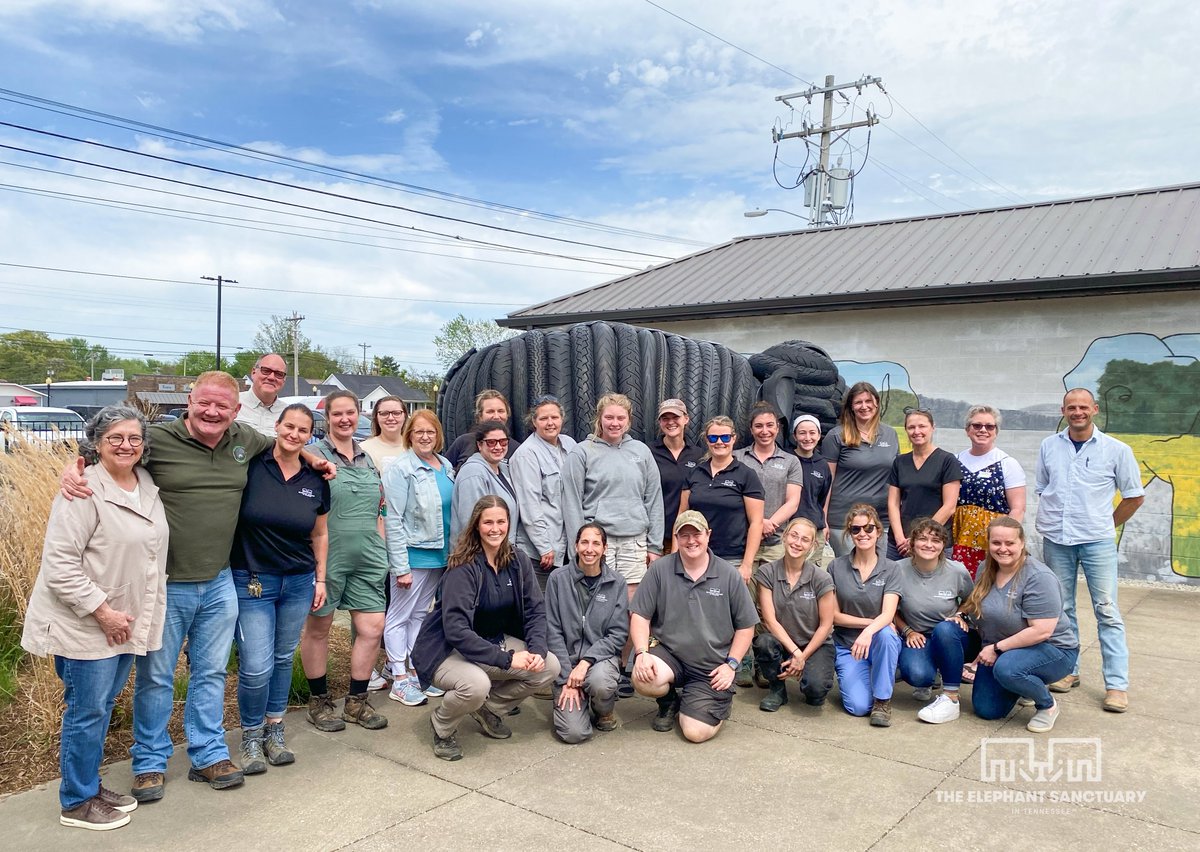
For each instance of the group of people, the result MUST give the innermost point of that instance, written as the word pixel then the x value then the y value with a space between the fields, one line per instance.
pixel 582 572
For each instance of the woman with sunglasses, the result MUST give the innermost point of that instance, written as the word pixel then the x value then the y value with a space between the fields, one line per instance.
pixel 866 645
pixel 993 485
pixel 536 469
pixel 923 483
pixel 386 443
pixel 486 472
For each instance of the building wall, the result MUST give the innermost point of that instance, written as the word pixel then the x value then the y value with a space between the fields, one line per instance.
pixel 1139 354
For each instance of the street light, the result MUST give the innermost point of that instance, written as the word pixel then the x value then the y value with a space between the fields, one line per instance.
pixel 755 214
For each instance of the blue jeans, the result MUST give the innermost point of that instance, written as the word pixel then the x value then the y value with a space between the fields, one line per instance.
pixel 205 614
pixel 1099 562
pixel 90 689
pixel 268 631
pixel 945 651
pixel 1020 673
pixel 860 681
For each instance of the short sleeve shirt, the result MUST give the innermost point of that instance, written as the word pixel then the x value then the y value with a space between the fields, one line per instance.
pixel 274 532
pixel 921 490
pixel 796 606
pixel 695 620
pixel 257 414
pixel 862 600
pixel 1034 593
pixel 926 600
pixel 816 487
pixel 673 473
pixel 721 500
pixel 862 471
pixel 776 473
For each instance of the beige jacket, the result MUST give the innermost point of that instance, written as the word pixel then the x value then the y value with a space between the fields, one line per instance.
pixel 100 549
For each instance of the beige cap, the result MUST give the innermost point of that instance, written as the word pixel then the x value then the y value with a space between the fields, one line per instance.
pixel 690 518
pixel 672 406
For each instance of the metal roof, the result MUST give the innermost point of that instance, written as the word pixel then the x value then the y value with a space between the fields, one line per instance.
pixel 1120 242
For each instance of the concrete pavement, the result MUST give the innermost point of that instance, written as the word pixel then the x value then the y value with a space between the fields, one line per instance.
pixel 800 778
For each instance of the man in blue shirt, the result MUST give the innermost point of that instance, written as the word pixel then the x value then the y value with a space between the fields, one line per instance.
pixel 1079 472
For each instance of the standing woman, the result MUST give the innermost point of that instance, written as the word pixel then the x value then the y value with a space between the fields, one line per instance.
pixel 676 459
pixel 1027 640
pixel 781 477
pixel 865 643
pixel 418 489
pixel 536 469
pixel 923 483
pixel 797 603
pixel 99 600
pixel 932 590
pixel 993 485
pixel 486 472
pixel 386 443
pixel 860 451
pixel 357 572
pixel 489 405
pixel 278 563
pixel 485 641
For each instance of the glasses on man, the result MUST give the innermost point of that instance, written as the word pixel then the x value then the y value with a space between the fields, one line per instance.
pixel 390 415
pixel 722 439
pixel 267 371
pixel 115 441
pixel 493 443
pixel 855 529
pixel 983 427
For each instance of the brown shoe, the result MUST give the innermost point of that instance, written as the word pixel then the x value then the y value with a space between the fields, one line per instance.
pixel 220 776
pixel 1116 701
pixel 358 710
pixel 94 815
pixel 324 715
pixel 606 722
pixel 1066 684
pixel 148 786
pixel 881 713
pixel 117 801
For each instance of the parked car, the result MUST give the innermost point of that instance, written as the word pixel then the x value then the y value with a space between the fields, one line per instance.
pixel 38 424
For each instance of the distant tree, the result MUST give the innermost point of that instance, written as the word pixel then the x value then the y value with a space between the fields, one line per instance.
pixel 460 334
pixel 426 382
pixel 89 357
pixel 29 356
pixel 385 365
pixel 1162 398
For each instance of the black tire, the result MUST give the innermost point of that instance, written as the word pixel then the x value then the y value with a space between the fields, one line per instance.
pixel 465 407
pixel 535 349
pixel 764 365
pixel 501 375
pixel 558 376
pixel 798 352
pixel 629 375
pixel 692 395
pixel 484 381
pixel 676 364
pixel 604 360
pixel 745 390
pixel 765 362
pixel 582 372
pixel 520 385
pixel 650 365
pixel 806 346
pixel 725 389
pixel 779 390
pixel 822 409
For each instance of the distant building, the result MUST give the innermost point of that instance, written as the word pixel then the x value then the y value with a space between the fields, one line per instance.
pixel 368 389
pixel 12 393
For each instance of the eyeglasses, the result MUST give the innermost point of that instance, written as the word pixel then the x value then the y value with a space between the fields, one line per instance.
pixel 855 529
pixel 912 409
pixel 424 433
pixel 115 441
pixel 390 415
pixel 983 427
pixel 724 439
pixel 267 371
pixel 493 443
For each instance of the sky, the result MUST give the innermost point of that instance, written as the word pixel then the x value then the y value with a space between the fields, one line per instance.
pixel 496 155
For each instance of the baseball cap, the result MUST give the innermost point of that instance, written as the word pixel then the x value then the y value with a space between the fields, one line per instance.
pixel 672 406
pixel 690 518
pixel 806 418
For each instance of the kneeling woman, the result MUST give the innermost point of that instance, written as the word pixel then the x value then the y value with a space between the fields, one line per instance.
pixel 866 644
pixel 278 563
pixel 1027 640
pixel 485 641
pixel 797 603
pixel 932 589
pixel 587 623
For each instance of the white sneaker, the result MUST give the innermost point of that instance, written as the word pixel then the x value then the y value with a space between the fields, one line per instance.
pixel 1043 720
pixel 941 710
pixel 378 681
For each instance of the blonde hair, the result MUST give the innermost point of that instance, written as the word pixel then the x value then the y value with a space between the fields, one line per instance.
pixel 986 580
pixel 605 401
pixel 218 378
pixel 798 522
pixel 719 420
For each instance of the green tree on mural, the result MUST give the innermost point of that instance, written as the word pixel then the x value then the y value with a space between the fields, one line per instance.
pixel 1161 398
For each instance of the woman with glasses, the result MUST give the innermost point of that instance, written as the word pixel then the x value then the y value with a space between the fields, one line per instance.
pixel 485 472
pixel 993 485
pixel 923 483
pixel 386 443
pixel 536 469
pixel 866 644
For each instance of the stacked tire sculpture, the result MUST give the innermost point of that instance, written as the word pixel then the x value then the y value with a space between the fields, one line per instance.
pixel 580 364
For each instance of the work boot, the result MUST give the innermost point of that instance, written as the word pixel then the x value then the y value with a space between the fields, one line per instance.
pixel 492 724
pixel 358 709
pixel 278 754
pixel 605 722
pixel 254 762
pixel 760 678
pixel 222 775
pixel 446 748
pixel 668 710
pixel 323 714
pixel 148 786
pixel 881 713
pixel 776 698
pixel 745 672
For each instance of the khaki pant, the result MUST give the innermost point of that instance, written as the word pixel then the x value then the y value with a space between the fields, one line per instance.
pixel 470 686
pixel 768 553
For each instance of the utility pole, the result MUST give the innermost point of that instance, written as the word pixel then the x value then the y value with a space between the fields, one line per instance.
pixel 220 280
pixel 294 319
pixel 821 202
pixel 365 347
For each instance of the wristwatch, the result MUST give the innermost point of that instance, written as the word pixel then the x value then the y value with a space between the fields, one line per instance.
pixel 732 662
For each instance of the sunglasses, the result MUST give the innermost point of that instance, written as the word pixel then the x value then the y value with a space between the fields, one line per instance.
pixel 723 439
pixel 983 427
pixel 855 529
pixel 495 442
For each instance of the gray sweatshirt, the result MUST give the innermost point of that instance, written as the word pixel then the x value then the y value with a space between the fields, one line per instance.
pixel 581 624
pixel 476 479
pixel 536 469
pixel 617 487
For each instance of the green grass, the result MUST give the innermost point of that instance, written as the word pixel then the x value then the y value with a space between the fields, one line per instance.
pixel 11 652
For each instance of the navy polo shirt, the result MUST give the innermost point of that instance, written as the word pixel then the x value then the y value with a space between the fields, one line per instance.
pixel 274 531
pixel 815 489
pixel 721 500
pixel 673 473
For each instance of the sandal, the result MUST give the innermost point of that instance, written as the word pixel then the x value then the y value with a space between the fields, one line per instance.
pixel 968 673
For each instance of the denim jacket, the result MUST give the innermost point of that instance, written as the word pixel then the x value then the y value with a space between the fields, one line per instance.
pixel 414 509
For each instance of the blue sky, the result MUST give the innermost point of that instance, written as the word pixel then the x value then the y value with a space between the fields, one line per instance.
pixel 612 112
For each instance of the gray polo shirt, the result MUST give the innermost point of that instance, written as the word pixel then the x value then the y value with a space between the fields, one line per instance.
pixel 1034 593
pixel 778 472
pixel 796 606
pixel 862 472
pixel 926 600
pixel 695 621
pixel 862 600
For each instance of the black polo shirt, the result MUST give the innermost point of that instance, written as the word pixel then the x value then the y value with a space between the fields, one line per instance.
pixel 721 500
pixel 815 489
pixel 674 473
pixel 274 531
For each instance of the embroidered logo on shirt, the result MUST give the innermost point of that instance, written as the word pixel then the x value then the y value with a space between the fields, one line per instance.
pixel 883 444
pixel 878 582
pixel 816 474
pixel 808 596
pixel 239 455
pixel 601 597
pixel 713 592
pixel 689 464
pixel 307 492
pixel 778 465
pixel 945 595
pixel 728 483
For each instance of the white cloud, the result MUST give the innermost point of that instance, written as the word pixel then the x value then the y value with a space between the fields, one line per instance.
pixel 174 20
pixel 474 38
pixel 394 117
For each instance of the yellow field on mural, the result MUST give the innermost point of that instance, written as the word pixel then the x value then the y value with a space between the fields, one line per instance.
pixel 1176 461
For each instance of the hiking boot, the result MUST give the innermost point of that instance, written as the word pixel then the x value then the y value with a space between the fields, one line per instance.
pixel 358 709
pixel 745 673
pixel 446 748
pixel 220 776
pixel 323 714
pixel 94 815
pixel 278 754
pixel 668 710
pixel 1043 720
pixel 760 679
pixel 254 762
pixel 148 786
pixel 1066 684
pixel 881 713
pixel 492 724
pixel 776 698
pixel 117 801
pixel 941 710
pixel 605 722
